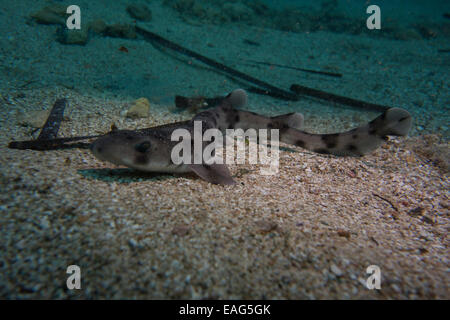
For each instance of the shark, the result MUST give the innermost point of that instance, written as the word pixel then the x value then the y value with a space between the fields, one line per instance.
pixel 150 149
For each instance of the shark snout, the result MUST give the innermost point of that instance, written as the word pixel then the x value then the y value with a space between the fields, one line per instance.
pixel 112 149
pixel 104 149
pixel 97 149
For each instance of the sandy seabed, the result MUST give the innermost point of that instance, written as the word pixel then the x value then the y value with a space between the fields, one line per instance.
pixel 309 231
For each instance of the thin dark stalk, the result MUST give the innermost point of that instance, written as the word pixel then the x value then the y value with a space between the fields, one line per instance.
pixel 51 126
pixel 325 73
pixel 150 36
pixel 337 98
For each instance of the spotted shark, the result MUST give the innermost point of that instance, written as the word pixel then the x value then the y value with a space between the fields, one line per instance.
pixel 150 149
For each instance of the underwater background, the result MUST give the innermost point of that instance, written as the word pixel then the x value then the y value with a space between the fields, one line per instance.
pixel 56 209
pixel 404 64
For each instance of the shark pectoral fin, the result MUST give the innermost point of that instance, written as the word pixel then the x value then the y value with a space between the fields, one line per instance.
pixel 214 173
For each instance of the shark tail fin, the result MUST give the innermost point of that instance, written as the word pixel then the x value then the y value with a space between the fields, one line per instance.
pixel 393 122
pixel 356 142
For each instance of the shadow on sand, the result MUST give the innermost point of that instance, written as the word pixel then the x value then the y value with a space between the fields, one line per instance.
pixel 123 175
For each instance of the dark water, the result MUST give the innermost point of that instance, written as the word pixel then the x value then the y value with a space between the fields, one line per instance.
pixel 405 63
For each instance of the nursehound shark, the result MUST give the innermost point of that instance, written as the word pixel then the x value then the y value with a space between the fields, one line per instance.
pixel 150 149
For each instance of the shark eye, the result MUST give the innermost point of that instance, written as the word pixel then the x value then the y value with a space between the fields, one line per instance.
pixel 142 147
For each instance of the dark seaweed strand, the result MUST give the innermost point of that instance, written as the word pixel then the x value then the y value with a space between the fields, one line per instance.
pixel 325 73
pixel 44 144
pixel 148 35
pixel 337 99
pixel 264 92
pixel 51 126
pixel 64 143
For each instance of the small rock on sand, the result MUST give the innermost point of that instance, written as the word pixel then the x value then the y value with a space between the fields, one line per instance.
pixel 98 26
pixel 181 230
pixel 66 36
pixel 34 119
pixel 265 226
pixel 335 269
pixel 140 12
pixel 139 109
pixel 120 30
pixel 53 14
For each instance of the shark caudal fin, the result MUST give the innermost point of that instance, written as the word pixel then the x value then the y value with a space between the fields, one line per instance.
pixel 356 142
pixel 394 122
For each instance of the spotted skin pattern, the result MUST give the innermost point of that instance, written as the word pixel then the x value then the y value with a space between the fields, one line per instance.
pixel 150 149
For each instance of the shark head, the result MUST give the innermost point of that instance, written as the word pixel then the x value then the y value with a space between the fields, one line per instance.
pixel 131 149
pixel 151 153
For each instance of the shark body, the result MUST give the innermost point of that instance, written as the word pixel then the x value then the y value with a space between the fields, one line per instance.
pixel 150 149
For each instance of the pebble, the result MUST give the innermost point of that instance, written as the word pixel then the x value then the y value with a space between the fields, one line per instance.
pixel 266 225
pixel 34 119
pixel 176 264
pixel 343 233
pixel 181 230
pixel 120 30
pixel 44 223
pixel 335 269
pixel 21 244
pixel 133 243
pixel 139 109
pixel 66 36
pixel 139 11
pixel 98 26
pixel 53 14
